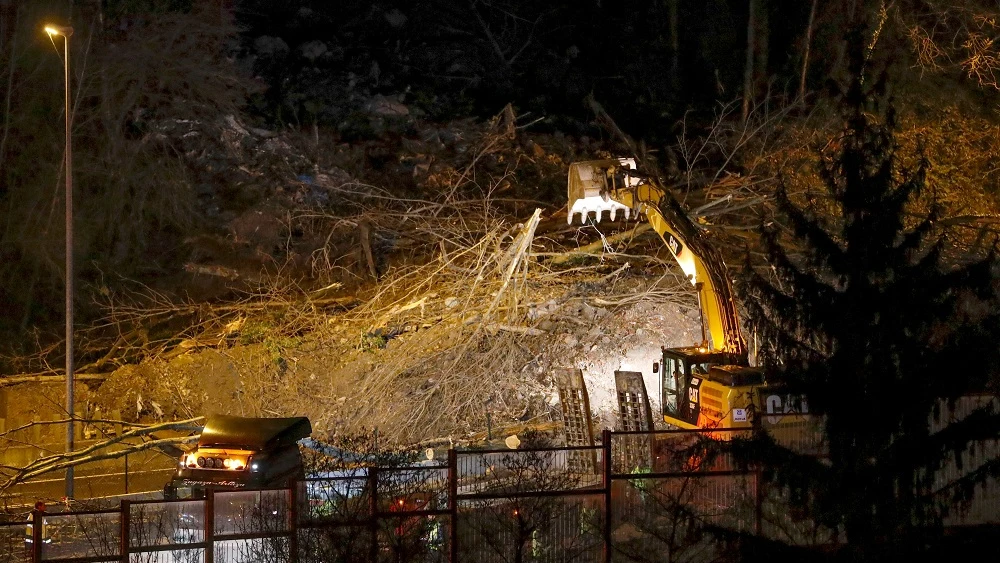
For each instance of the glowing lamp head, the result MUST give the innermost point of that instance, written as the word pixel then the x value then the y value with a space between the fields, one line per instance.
pixel 63 30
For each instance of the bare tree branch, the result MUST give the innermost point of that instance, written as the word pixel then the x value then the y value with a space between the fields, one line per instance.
pixel 100 451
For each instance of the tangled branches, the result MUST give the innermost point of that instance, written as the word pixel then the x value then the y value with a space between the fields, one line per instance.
pixel 137 438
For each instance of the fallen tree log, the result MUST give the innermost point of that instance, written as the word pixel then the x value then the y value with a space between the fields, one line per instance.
pixel 46 377
pixel 599 245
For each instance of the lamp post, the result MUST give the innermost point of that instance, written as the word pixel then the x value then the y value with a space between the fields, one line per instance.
pixel 67 32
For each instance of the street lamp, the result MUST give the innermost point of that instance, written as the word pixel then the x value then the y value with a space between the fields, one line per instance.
pixel 67 32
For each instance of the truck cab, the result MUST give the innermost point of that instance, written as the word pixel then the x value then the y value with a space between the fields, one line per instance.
pixel 238 453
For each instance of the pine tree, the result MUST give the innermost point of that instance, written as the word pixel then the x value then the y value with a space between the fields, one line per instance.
pixel 878 331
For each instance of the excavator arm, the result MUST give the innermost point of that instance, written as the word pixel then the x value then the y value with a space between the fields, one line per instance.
pixel 615 186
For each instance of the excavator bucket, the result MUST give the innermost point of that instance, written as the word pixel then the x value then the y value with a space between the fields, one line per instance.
pixel 589 189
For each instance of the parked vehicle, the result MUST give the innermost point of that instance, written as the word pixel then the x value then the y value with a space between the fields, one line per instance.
pixel 237 453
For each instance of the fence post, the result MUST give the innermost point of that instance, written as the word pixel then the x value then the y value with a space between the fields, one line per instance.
pixel 453 505
pixel 372 513
pixel 606 465
pixel 209 525
pixel 759 504
pixel 126 529
pixel 293 517
pixel 37 522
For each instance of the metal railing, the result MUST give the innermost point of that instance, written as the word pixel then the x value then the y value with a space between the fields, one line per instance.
pixel 637 497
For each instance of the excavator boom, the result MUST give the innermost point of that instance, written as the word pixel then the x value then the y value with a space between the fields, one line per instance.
pixel 616 187
pixel 706 386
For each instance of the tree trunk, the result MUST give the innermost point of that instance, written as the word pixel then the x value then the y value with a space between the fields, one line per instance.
pixel 762 40
pixel 8 27
pixel 805 51
pixel 851 8
pixel 364 235
pixel 675 42
pixel 748 70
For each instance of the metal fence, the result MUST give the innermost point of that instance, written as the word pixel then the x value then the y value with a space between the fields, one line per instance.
pixel 639 496
pixel 529 505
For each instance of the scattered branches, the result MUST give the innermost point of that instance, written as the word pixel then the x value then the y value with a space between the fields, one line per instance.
pixel 954 35
pixel 447 301
pixel 103 450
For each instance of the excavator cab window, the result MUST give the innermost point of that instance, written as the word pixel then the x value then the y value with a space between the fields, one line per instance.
pixel 674 380
pixel 681 381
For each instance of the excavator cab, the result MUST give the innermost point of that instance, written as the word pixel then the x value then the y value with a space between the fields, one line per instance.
pixel 705 389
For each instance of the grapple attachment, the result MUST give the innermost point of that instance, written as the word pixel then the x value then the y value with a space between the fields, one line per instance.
pixel 598 204
pixel 590 188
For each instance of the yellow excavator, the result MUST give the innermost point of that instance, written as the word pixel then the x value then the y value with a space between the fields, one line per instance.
pixel 711 384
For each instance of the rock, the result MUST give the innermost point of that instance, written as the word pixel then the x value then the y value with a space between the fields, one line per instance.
pixel 312 50
pixel 543 309
pixel 234 125
pixel 384 105
pixel 585 312
pixel 537 150
pixel 267 46
pixel 571 340
pixel 262 133
pixel 451 302
pixel 257 228
pixel 395 18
